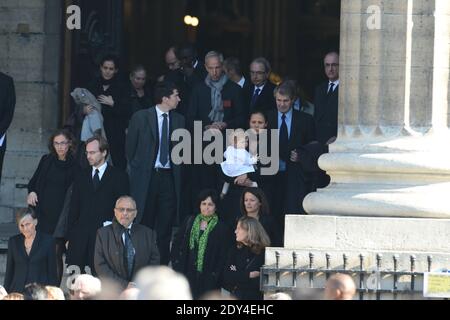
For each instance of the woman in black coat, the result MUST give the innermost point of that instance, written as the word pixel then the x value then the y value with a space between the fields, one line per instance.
pixel 139 94
pixel 110 92
pixel 229 206
pixel 253 203
pixel 201 247
pixel 49 189
pixel 242 269
pixel 31 255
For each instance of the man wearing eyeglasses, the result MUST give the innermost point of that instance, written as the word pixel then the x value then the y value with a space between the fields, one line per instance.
pixel 326 109
pixel 259 96
pixel 124 247
pixel 95 191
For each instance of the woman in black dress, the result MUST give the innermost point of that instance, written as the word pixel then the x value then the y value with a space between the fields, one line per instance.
pixel 48 189
pixel 242 269
pixel 31 255
pixel 110 93
pixel 201 246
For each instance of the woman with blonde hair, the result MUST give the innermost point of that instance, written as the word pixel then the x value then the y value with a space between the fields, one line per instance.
pixel 242 270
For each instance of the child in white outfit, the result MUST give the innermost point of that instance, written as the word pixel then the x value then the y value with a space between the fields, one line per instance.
pixel 238 160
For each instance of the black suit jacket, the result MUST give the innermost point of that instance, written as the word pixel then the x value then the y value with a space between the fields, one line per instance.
pixel 109 257
pixel 142 149
pixel 266 100
pixel 7 102
pixel 298 181
pixel 39 266
pixel 90 208
pixel 326 113
pixel 234 110
pixel 302 128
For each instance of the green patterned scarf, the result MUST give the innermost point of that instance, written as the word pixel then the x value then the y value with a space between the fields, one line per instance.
pixel 202 240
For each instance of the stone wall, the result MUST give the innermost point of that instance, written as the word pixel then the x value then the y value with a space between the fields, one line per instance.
pixel 30 51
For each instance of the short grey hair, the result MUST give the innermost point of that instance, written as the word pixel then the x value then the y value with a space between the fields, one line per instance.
pixel 91 284
pixel 214 54
pixel 264 62
pixel 126 198
pixel 162 283
pixel 286 88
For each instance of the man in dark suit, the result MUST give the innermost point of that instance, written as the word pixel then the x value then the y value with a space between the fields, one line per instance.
pixel 94 194
pixel 155 179
pixel 124 247
pixel 326 110
pixel 233 70
pixel 217 102
pixel 295 129
pixel 7 105
pixel 259 96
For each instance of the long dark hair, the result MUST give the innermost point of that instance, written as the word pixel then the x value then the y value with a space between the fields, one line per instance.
pixel 258 193
pixel 69 136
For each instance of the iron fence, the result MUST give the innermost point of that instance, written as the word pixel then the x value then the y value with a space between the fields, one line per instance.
pixel 362 276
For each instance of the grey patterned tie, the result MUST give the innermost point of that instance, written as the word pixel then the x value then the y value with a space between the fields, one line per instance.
pixel 129 253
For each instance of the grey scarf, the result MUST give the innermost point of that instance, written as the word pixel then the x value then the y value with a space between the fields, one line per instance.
pixel 216 114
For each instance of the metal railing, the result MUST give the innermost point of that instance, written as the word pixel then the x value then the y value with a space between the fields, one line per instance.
pixel 360 274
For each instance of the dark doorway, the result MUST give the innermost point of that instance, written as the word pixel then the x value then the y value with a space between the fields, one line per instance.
pixel 292 34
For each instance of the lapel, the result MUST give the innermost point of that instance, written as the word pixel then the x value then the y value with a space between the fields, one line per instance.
pixel 105 177
pixel 292 137
pixel 153 123
pixel 34 246
pixel 117 231
pixel 323 108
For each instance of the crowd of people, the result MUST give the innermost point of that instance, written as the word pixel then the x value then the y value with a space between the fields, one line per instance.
pixel 109 194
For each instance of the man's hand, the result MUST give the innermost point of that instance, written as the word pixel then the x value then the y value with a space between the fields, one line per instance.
pixel 32 199
pixel 107 100
pixel 295 156
pixel 254 274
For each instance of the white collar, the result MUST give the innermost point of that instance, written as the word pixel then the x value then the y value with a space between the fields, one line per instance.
pixel 101 169
pixel 241 82
pixel 159 112
pixel 336 83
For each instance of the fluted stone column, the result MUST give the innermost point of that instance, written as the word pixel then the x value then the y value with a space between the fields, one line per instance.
pixel 392 155
pixel 388 204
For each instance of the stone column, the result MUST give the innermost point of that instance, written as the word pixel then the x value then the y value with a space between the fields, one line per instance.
pixel 392 155
pixel 387 207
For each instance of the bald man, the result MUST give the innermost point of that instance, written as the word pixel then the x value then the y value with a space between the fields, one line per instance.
pixel 340 287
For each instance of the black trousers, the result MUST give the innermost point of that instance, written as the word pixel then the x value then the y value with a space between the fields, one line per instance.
pixel 160 210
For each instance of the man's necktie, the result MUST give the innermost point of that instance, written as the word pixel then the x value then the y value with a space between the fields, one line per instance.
pixel 284 139
pixel 129 253
pixel 255 97
pixel 330 89
pixel 164 150
pixel 96 179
